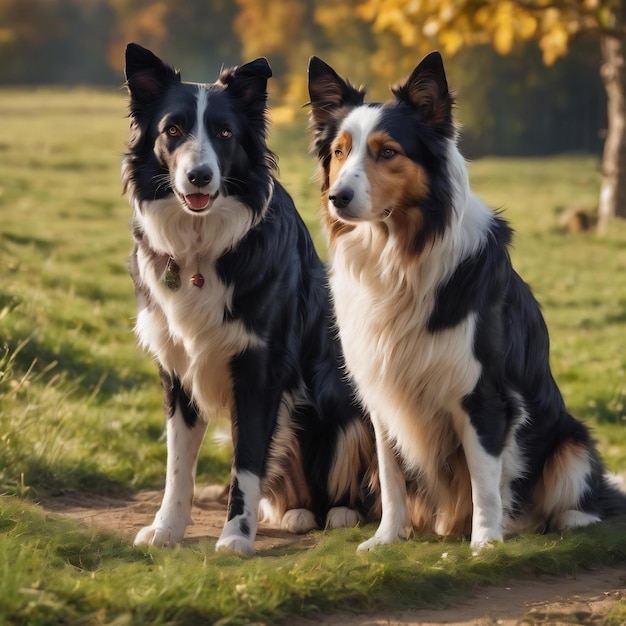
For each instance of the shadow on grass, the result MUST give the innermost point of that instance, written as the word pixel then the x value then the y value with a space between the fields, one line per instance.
pixel 83 549
pixel 99 379
pixel 618 318
pixel 43 245
pixel 35 477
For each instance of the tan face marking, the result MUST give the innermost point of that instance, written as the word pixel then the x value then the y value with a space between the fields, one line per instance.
pixel 386 186
pixel 397 184
pixel 339 152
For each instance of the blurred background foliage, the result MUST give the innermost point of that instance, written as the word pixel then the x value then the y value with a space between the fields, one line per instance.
pixel 511 104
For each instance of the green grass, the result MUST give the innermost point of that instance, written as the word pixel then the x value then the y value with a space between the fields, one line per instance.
pixel 80 405
pixel 64 575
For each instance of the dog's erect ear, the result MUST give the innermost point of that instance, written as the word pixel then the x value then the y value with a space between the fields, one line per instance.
pixel 146 75
pixel 426 90
pixel 248 83
pixel 328 91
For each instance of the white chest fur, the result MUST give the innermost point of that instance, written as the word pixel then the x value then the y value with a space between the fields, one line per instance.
pixel 409 376
pixel 188 329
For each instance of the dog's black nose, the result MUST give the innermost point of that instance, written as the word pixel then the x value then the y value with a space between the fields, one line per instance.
pixel 341 198
pixel 200 176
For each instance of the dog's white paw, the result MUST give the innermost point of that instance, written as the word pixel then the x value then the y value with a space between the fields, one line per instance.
pixel 485 538
pixel 159 535
pixel 383 538
pixel 298 521
pixel 235 543
pixel 575 519
pixel 342 517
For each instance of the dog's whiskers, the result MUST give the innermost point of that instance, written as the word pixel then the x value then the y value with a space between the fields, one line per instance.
pixel 162 182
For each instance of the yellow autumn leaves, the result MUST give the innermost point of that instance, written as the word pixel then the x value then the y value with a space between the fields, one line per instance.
pixel 452 24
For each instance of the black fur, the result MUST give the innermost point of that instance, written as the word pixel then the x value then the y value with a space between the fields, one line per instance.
pixel 276 281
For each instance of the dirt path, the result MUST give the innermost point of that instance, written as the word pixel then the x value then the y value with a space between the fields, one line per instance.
pixel 585 599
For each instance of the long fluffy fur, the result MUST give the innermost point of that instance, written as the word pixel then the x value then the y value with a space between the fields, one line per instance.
pixel 446 343
pixel 257 338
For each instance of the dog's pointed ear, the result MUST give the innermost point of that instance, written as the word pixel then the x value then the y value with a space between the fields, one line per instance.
pixel 146 75
pixel 328 91
pixel 248 83
pixel 427 92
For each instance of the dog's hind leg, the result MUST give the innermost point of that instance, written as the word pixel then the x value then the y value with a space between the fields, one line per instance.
pixel 342 517
pixel 394 523
pixel 298 521
pixel 564 493
pixel 352 456
pixel 185 430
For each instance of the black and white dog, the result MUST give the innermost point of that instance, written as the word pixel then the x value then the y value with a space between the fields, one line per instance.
pixel 445 342
pixel 233 303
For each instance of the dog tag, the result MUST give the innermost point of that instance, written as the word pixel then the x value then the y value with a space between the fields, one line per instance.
pixel 198 280
pixel 172 275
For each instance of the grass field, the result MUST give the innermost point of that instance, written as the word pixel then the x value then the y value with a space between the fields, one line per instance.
pixel 80 405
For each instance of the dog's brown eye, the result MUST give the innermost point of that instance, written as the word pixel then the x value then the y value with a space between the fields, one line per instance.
pixel 226 133
pixel 174 131
pixel 387 153
pixel 339 153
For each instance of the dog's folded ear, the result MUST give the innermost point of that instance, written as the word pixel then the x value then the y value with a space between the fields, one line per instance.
pixel 146 75
pixel 248 83
pixel 427 91
pixel 328 91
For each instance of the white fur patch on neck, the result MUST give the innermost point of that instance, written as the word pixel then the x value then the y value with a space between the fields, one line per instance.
pixel 172 231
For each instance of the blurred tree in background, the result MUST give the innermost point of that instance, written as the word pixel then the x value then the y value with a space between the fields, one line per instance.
pixel 454 24
pixel 509 105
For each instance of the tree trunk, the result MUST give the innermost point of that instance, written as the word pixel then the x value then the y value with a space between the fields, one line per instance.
pixel 613 188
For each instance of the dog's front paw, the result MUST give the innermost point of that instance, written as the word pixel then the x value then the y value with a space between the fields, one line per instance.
pixel 383 538
pixel 298 521
pixel 235 543
pixel 342 517
pixel 485 538
pixel 159 535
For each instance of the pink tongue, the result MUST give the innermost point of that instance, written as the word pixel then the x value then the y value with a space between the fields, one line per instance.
pixel 198 200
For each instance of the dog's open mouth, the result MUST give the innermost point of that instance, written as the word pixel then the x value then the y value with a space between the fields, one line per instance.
pixel 199 201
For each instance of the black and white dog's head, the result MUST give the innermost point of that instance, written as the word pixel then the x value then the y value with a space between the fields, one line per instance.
pixel 198 142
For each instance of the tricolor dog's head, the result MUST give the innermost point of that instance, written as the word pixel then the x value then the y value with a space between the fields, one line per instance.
pixel 385 163
pixel 198 142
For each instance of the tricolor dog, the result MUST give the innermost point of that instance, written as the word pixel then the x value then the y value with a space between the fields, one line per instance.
pixel 445 342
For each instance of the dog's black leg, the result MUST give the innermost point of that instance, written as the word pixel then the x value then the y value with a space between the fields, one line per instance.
pixel 185 431
pixel 256 403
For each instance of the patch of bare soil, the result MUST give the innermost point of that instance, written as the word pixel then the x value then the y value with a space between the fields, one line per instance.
pixel 127 516
pixel 584 599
